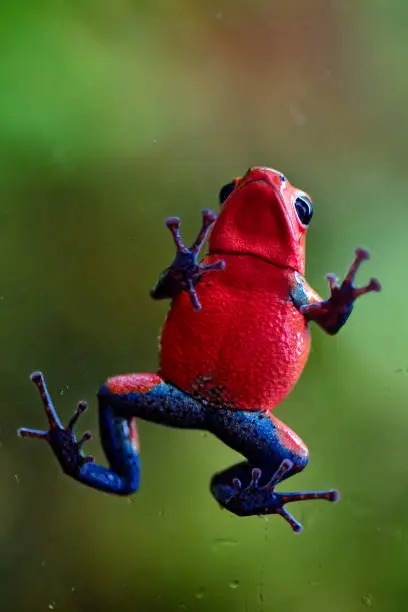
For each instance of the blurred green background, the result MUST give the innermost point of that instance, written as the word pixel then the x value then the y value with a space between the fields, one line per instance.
pixel 114 115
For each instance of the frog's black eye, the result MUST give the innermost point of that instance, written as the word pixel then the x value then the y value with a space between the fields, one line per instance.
pixel 226 191
pixel 304 209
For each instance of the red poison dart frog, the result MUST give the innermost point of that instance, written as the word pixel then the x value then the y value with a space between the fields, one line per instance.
pixel 234 343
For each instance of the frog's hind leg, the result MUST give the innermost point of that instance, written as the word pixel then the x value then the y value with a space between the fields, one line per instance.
pixel 274 453
pixel 121 399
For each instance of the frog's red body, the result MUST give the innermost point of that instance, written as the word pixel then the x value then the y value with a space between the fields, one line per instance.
pixel 234 344
pixel 248 341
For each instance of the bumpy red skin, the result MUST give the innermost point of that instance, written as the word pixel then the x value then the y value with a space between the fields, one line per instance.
pixel 249 341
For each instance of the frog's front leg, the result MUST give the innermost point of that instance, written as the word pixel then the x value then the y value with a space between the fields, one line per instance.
pixel 121 399
pixel 185 271
pixel 332 314
pixel 274 453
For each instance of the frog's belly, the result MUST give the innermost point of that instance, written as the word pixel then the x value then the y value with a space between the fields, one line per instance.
pixel 243 351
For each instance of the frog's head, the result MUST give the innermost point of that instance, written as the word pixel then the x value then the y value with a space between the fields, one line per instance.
pixel 263 214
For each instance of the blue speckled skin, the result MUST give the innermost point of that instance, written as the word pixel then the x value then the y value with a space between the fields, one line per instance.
pixel 252 434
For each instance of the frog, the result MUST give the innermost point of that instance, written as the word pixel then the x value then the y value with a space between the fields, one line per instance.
pixel 234 343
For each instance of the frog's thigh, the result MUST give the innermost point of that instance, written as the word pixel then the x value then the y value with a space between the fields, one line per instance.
pixel 261 438
pixel 149 397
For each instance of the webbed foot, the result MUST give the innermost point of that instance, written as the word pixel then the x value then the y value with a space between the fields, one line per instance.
pixel 261 500
pixel 331 314
pixel 346 291
pixel 185 271
pixel 65 446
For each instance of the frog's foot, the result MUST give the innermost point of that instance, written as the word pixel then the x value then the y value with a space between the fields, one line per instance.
pixel 331 314
pixel 62 440
pixel 185 271
pixel 347 292
pixel 257 500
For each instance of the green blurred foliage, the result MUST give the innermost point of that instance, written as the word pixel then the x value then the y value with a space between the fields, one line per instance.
pixel 114 115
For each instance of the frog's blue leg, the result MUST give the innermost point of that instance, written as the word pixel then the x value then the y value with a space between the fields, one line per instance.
pixel 274 453
pixel 272 450
pixel 121 399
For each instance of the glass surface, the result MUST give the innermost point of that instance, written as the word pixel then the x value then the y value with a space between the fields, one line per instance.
pixel 113 116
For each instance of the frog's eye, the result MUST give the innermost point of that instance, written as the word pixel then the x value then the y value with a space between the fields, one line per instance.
pixel 304 209
pixel 226 191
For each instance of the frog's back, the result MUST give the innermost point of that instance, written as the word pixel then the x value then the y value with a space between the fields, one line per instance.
pixel 247 346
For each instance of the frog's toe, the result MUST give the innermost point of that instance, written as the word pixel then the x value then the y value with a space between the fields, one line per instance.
pixel 289 518
pixel 24 432
pixel 65 446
